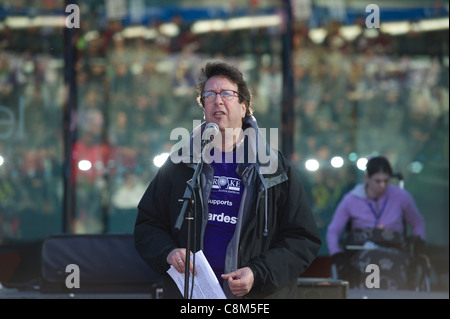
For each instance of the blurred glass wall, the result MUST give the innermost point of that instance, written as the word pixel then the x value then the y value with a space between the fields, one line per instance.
pixel 89 96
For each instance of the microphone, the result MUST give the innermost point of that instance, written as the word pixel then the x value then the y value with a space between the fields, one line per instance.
pixel 211 130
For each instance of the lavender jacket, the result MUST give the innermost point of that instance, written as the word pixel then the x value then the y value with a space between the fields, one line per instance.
pixel 395 207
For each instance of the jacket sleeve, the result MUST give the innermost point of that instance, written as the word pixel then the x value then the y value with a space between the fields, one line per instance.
pixel 412 216
pixel 152 232
pixel 336 227
pixel 294 239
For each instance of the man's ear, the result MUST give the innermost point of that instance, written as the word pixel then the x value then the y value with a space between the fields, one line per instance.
pixel 244 109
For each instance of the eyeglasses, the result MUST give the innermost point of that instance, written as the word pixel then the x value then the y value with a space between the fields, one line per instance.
pixel 226 95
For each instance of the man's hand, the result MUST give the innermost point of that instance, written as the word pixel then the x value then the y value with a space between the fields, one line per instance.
pixel 177 258
pixel 240 281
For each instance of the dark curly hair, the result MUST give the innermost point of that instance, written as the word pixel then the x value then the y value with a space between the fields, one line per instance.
pixel 378 164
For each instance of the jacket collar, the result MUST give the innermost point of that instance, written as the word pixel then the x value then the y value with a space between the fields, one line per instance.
pixel 252 149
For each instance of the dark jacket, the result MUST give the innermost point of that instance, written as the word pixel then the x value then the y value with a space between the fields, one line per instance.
pixel 276 234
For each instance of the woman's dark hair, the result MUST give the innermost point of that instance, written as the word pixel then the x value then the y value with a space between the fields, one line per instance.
pixel 378 164
pixel 231 73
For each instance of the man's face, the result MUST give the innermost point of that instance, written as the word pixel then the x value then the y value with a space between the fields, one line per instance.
pixel 225 113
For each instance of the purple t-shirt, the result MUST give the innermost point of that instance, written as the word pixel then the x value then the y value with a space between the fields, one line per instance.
pixel 223 203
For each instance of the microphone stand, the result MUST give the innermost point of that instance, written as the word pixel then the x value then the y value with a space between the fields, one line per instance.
pixel 188 199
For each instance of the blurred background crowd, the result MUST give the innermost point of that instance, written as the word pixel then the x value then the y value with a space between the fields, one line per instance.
pixel 358 92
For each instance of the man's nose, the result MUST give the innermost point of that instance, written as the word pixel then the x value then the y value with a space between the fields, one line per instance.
pixel 218 98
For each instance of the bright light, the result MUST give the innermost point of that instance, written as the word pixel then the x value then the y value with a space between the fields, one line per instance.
pixel 203 26
pixel 208 26
pixel 49 21
pixel 362 163
pixel 91 35
pixel 416 167
pixel 350 32
pixel 317 35
pixel 2 160
pixel 18 22
pixel 84 165
pixel 396 28
pixel 337 161
pixel 254 22
pixel 160 159
pixel 134 32
pixel 21 22
pixel 432 25
pixel 170 29
pixel 312 165
pixel 371 33
pixel 353 156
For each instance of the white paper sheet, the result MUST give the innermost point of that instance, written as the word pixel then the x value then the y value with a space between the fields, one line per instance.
pixel 206 285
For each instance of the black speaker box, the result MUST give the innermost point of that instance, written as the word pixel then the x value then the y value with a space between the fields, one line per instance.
pixel 107 263
pixel 322 288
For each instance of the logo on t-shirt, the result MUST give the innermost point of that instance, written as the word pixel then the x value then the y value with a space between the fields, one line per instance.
pixel 222 218
pixel 220 202
pixel 223 183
